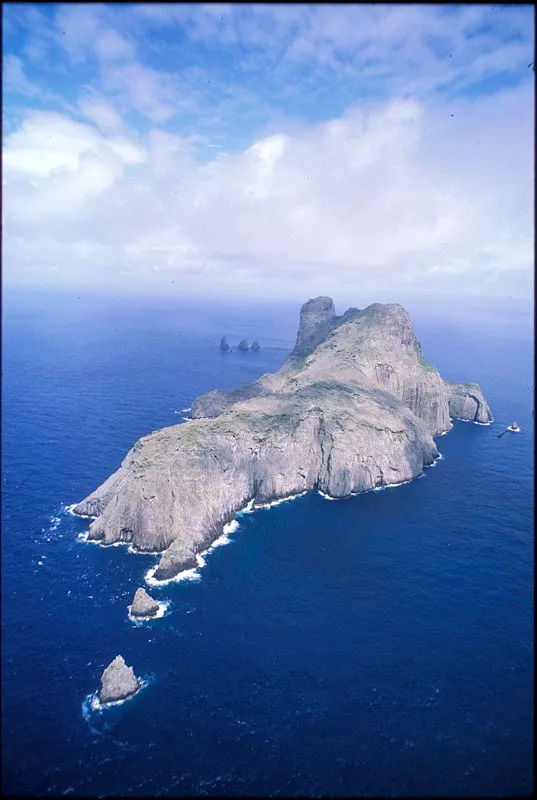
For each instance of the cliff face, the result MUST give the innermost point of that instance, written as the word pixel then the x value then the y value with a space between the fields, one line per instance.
pixel 466 401
pixel 355 406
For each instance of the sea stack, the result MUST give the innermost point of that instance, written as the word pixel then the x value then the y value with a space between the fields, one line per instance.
pixel 255 346
pixel 143 604
pixel 243 346
pixel 118 682
pixel 223 344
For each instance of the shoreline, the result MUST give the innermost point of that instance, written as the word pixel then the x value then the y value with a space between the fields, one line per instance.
pixel 164 607
pixel 192 573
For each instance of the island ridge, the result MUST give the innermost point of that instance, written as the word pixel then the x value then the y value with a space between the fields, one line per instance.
pixel 354 407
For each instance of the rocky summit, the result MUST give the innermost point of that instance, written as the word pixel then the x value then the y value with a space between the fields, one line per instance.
pixel 355 406
pixel 143 604
pixel 118 682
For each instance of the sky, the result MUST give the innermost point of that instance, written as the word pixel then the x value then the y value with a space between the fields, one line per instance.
pixel 366 152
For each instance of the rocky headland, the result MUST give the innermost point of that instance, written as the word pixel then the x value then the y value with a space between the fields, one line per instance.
pixel 118 682
pixel 354 407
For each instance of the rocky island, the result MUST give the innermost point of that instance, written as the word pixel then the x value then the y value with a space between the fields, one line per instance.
pixel 355 406
pixel 143 605
pixel 118 682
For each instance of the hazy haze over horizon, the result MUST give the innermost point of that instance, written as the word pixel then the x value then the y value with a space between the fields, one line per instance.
pixel 368 152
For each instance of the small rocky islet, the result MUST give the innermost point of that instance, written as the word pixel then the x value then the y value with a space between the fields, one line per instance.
pixel 243 345
pixel 143 605
pixel 355 406
pixel 118 682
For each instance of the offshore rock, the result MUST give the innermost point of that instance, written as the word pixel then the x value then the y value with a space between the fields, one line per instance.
pixel 255 346
pixel 466 401
pixel 118 682
pixel 143 604
pixel 355 406
pixel 224 344
pixel 243 345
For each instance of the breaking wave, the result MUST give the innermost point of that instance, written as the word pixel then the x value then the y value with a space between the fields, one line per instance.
pixel 279 501
pixel 327 496
pixel 71 510
pixel 193 574
pixel 185 575
pixel 163 610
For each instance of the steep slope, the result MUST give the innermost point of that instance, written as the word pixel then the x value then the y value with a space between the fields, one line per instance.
pixel 355 406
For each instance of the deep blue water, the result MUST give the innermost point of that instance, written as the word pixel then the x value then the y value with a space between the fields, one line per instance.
pixel 380 645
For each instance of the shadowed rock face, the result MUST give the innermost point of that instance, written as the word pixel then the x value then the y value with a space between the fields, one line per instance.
pixel 466 401
pixel 255 346
pixel 243 345
pixel 224 343
pixel 143 605
pixel 118 682
pixel 355 406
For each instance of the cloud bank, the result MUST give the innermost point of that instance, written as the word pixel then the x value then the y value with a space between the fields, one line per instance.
pixel 411 191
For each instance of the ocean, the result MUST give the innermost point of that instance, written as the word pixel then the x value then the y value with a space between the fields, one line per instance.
pixel 376 646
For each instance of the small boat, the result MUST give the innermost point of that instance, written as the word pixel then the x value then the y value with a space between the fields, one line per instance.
pixel 514 427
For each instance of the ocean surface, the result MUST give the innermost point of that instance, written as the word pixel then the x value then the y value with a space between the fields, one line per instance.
pixel 381 645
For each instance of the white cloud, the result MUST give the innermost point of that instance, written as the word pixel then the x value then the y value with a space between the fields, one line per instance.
pixel 426 189
pixel 101 112
pixel 149 91
pixel 48 142
pixel 392 197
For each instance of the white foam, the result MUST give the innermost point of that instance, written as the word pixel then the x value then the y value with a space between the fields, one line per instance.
pixel 448 430
pixel 184 410
pixel 248 508
pixel 115 544
pixel 485 424
pixel 163 609
pixel 84 537
pixel 327 496
pixel 186 419
pixel 279 501
pixel 71 510
pixel 135 552
pixel 185 575
pixel 192 574
pixel 438 458
pixel 55 522
pixel 230 527
pixel 92 702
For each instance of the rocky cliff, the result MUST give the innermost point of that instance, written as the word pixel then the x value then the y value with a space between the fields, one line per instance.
pixel 355 406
